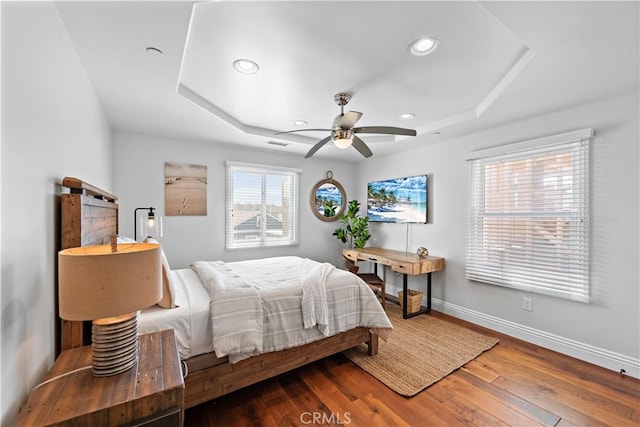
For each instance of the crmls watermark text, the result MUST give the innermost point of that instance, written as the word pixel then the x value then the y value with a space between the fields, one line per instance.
pixel 324 418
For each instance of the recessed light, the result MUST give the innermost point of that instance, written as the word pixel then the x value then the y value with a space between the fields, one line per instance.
pixel 152 49
pixel 300 123
pixel 245 66
pixel 406 116
pixel 279 144
pixel 423 46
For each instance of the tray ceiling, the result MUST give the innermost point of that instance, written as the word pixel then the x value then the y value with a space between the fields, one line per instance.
pixel 496 62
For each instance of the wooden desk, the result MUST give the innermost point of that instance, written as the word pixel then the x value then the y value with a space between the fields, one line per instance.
pixel 401 262
pixel 151 393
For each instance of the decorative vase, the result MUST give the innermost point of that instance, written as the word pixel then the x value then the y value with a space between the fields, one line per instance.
pixel 423 252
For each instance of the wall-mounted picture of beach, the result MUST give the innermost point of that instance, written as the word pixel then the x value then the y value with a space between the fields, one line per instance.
pixel 398 200
pixel 185 189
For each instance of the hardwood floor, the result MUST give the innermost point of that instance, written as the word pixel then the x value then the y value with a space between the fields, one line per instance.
pixel 513 384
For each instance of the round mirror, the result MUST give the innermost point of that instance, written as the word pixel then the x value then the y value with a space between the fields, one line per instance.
pixel 328 199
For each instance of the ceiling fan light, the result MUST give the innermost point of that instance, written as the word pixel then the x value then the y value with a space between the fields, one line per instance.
pixel 423 46
pixel 342 138
pixel 245 66
pixel 342 143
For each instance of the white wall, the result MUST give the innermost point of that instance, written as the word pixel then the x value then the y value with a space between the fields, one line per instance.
pixel 52 126
pixel 610 324
pixel 139 182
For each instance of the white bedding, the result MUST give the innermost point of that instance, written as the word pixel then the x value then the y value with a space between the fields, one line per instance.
pixel 190 319
pixel 256 306
pixel 273 288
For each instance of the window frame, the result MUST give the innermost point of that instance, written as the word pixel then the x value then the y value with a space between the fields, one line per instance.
pixel 534 274
pixel 293 214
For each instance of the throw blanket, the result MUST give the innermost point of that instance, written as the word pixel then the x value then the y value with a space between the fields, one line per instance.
pixel 275 303
pixel 236 307
pixel 314 294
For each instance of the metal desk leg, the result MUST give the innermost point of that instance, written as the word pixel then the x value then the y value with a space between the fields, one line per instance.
pixel 429 292
pixel 405 291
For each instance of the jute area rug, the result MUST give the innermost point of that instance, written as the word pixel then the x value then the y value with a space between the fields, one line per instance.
pixel 421 351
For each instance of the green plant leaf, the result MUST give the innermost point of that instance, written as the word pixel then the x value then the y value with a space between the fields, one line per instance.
pixel 356 227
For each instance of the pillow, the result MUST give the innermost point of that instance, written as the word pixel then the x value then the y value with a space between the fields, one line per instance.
pixel 122 239
pixel 168 290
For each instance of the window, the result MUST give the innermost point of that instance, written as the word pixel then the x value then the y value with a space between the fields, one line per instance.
pixel 261 206
pixel 529 216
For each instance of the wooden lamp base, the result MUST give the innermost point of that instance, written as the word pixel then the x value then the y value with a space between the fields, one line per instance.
pixel 114 344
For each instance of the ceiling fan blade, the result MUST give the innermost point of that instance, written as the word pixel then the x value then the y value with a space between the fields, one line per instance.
pixel 387 130
pixel 349 119
pixel 359 145
pixel 302 130
pixel 318 146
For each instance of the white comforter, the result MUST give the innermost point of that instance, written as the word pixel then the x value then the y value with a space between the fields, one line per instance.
pixel 270 304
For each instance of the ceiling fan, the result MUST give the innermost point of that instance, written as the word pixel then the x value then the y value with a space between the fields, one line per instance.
pixel 343 133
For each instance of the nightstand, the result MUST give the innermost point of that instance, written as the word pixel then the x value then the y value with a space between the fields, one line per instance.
pixel 150 394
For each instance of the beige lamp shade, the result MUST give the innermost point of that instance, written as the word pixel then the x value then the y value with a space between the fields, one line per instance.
pixel 95 282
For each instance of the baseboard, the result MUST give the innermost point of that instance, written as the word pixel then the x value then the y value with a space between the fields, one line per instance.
pixel 598 356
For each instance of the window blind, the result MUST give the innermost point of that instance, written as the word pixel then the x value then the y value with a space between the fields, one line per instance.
pixel 261 205
pixel 528 219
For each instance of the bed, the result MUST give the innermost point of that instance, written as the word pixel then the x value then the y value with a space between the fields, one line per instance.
pixel 89 215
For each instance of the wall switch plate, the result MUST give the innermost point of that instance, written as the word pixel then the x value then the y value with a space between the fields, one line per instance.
pixel 527 304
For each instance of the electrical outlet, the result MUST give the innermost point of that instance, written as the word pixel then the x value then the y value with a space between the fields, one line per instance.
pixel 527 304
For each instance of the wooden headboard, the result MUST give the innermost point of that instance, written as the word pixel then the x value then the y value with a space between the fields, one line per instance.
pixel 88 216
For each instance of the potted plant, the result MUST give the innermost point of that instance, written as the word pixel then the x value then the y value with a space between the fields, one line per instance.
pixel 355 230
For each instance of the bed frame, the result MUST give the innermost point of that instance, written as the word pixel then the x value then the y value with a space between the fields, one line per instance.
pixel 89 214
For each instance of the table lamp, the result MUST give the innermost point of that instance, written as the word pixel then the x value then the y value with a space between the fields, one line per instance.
pixel 151 226
pixel 109 287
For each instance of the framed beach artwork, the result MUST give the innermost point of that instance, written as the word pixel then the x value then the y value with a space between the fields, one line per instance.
pixel 185 189
pixel 398 200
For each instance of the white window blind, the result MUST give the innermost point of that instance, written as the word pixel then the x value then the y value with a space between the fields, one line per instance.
pixel 528 219
pixel 261 205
